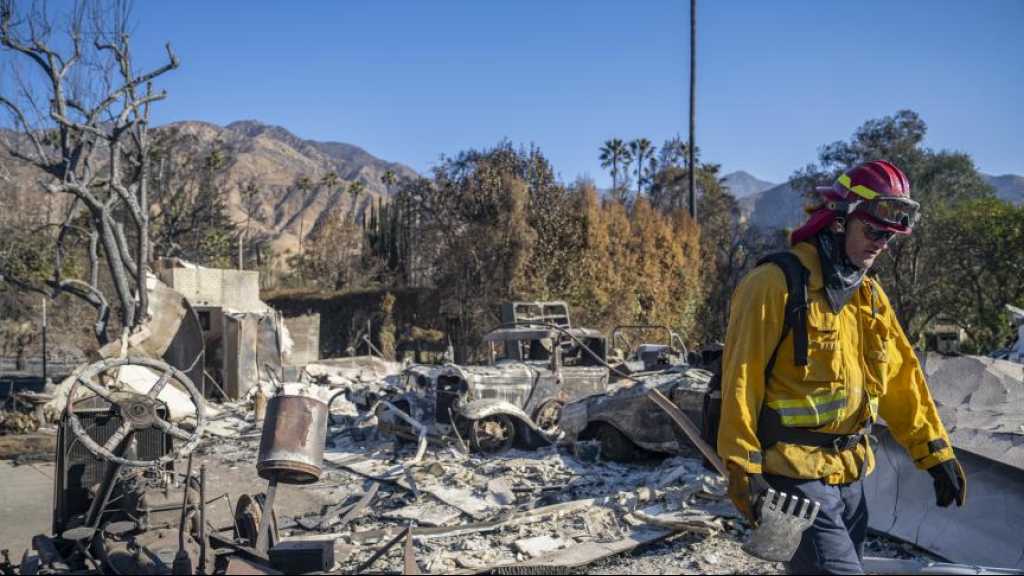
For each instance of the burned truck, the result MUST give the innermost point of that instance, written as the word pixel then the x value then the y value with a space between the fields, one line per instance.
pixel 516 398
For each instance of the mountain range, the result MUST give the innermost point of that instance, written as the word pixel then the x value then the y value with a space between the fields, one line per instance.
pixel 742 184
pixel 276 160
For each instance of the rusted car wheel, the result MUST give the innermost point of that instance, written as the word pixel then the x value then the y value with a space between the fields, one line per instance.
pixel 492 434
pixel 548 415
pixel 248 513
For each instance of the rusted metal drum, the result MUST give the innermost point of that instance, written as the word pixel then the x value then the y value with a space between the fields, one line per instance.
pixel 292 444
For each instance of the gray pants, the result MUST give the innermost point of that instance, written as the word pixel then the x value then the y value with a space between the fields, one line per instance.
pixel 834 544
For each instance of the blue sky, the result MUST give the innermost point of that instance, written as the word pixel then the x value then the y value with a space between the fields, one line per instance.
pixel 412 80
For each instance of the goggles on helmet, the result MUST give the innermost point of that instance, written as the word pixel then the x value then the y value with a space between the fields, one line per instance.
pixel 901 212
pixel 887 210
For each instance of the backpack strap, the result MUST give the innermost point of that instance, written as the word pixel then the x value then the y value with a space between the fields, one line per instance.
pixel 795 316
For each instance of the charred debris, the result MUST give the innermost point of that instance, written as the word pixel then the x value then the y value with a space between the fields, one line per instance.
pixel 564 449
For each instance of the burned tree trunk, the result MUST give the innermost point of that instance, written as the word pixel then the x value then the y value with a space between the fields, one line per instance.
pixel 82 114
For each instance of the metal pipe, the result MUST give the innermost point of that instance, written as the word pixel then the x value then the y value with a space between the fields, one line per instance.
pixel 202 519
pixel 420 429
pixel 44 339
pixel 184 506
pixel 262 536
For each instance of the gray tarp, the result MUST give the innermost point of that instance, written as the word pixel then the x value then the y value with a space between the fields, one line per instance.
pixel 987 531
pixel 981 401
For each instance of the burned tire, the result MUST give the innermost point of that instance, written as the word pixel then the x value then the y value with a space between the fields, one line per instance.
pixel 614 444
pixel 547 416
pixel 248 513
pixel 492 434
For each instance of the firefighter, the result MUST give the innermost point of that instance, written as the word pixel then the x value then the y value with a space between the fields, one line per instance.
pixel 799 419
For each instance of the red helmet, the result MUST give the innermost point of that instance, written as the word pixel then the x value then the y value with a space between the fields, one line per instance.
pixel 877 192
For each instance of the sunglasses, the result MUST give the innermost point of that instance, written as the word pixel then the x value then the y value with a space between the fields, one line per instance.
pixel 877 234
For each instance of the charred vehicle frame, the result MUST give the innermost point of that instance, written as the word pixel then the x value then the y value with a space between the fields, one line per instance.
pixel 516 398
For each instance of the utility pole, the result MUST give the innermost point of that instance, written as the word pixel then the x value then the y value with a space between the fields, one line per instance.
pixel 693 106
pixel 44 339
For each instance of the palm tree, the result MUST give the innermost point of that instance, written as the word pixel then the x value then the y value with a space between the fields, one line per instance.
pixel 641 149
pixel 622 194
pixel 673 153
pixel 355 189
pixel 329 180
pixel 613 153
pixel 389 179
pixel 652 170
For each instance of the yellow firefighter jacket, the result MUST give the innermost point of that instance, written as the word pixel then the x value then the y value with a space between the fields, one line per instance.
pixel 860 365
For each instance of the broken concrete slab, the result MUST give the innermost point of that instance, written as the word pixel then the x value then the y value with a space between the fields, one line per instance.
pixel 583 553
pixel 539 545
pixel 500 493
pixel 462 499
pixel 425 514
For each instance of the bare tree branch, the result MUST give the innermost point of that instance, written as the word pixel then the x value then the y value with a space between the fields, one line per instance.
pixel 86 120
pixel 93 296
pixel 125 253
pixel 131 84
pixel 26 128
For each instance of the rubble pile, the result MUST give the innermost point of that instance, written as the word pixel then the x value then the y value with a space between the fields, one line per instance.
pixel 522 506
pixel 21 412
pixel 503 467
pixel 14 422
pixel 469 513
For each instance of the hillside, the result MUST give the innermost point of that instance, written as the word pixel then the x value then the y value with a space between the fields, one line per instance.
pixel 274 159
pixel 1009 187
pixel 777 207
pixel 742 184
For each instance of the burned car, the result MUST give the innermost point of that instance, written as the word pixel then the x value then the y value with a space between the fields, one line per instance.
pixel 516 398
pixel 636 351
pixel 628 425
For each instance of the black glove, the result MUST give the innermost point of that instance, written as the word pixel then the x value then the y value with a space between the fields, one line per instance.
pixel 950 483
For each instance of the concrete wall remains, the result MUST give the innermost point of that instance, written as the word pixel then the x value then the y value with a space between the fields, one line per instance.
pixel 241 333
pixel 236 290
